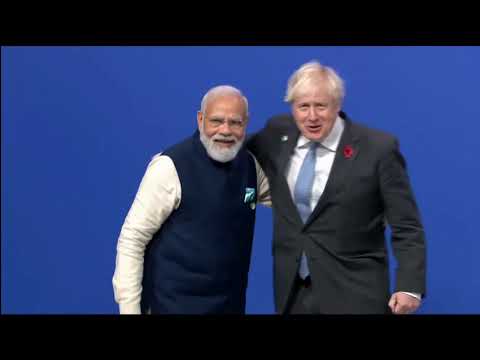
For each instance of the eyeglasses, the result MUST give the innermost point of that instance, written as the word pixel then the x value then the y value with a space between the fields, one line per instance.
pixel 232 123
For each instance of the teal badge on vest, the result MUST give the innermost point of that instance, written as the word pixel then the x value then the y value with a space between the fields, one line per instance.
pixel 250 197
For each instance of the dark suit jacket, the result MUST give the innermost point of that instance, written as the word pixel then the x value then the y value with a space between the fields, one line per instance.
pixel 344 236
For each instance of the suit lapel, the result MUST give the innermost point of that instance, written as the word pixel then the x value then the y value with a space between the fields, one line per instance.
pixel 288 141
pixel 346 153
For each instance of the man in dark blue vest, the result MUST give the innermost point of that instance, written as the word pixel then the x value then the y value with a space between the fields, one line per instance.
pixel 185 245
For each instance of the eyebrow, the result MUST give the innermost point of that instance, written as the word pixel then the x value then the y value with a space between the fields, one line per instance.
pixel 218 116
pixel 321 103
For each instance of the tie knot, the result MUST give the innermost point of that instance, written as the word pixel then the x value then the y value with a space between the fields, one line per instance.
pixel 313 145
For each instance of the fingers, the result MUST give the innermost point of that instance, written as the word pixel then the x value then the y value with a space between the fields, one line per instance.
pixel 392 303
pixel 403 310
pixel 407 307
pixel 403 304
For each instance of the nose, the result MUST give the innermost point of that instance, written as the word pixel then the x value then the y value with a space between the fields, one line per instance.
pixel 225 129
pixel 312 114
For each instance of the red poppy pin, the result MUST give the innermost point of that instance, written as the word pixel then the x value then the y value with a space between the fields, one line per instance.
pixel 348 151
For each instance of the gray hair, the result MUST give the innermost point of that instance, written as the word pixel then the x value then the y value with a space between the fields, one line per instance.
pixel 222 90
pixel 309 75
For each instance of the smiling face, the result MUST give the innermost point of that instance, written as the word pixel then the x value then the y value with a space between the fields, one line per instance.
pixel 222 127
pixel 315 111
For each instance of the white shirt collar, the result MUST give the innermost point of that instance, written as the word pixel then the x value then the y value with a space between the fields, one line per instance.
pixel 332 140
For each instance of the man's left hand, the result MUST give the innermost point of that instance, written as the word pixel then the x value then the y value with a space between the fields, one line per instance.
pixel 402 303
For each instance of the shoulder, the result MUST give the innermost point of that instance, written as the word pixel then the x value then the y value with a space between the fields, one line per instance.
pixel 374 137
pixel 161 167
pixel 178 148
pixel 278 124
pixel 281 123
pixel 161 179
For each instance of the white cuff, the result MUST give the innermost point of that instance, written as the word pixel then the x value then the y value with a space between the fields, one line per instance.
pixel 130 308
pixel 415 295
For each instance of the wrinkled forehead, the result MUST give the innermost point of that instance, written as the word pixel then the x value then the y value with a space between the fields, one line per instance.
pixel 315 84
pixel 322 94
pixel 232 106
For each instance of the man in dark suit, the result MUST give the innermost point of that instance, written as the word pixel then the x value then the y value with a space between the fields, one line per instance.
pixel 335 185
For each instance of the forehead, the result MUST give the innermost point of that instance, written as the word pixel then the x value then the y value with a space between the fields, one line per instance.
pixel 313 93
pixel 225 103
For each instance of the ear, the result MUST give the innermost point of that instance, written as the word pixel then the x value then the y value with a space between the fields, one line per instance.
pixel 292 106
pixel 199 119
pixel 338 107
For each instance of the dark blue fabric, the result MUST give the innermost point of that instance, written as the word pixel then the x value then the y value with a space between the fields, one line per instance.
pixel 198 262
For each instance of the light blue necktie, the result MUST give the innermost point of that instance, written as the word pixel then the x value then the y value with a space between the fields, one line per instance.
pixel 303 195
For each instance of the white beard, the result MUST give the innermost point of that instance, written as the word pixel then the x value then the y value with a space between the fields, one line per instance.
pixel 218 153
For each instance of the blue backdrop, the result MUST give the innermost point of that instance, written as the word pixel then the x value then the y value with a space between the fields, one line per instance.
pixel 80 124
